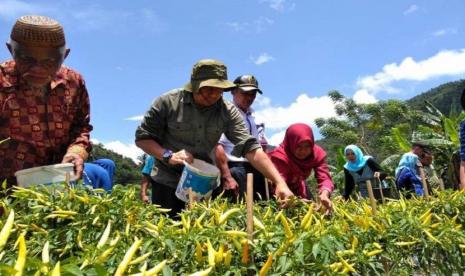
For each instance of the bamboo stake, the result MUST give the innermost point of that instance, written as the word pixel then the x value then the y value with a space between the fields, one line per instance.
pixel 191 198
pixel 372 197
pixel 267 189
pixel 249 202
pixel 381 190
pixel 423 181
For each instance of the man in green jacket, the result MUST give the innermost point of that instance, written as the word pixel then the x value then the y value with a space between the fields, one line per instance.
pixel 188 122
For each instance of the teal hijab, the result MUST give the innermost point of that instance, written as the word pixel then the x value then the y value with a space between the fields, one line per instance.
pixel 360 159
pixel 409 160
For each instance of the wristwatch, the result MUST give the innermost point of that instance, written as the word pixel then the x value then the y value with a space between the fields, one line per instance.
pixel 167 154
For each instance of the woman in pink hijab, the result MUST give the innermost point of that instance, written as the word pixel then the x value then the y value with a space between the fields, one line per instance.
pixel 295 159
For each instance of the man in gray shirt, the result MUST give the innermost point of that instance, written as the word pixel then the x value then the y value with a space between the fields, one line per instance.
pixel 188 122
pixel 234 169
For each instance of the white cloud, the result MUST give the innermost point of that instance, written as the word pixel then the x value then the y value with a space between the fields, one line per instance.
pixel 305 110
pixel 12 9
pixel 277 138
pixel 362 96
pixel 279 5
pixel 413 8
pixel 443 32
pixel 135 118
pixel 262 59
pixel 257 26
pixel 126 150
pixel 444 63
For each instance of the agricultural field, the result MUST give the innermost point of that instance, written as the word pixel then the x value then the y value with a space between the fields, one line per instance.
pixel 81 232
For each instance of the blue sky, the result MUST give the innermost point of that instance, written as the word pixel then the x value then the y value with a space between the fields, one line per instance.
pixel 130 52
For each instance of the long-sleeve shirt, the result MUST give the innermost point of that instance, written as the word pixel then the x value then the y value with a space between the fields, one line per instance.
pixel 297 184
pixel 408 181
pixel 462 140
pixel 176 122
pixel 42 125
pixel 349 180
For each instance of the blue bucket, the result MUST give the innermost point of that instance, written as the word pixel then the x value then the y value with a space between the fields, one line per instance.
pixel 201 177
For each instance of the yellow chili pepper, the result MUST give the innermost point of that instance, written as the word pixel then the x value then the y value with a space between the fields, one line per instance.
pixel 304 224
pixel 227 214
pixel 258 224
pixel 198 252
pixel 401 244
pixel 285 224
pixel 127 257
pixel 349 267
pixel 70 213
pixel 105 235
pixel 6 230
pixel 373 252
pixel 354 242
pixel 56 270
pixel 21 260
pixel 431 237
pixel 219 255
pixel 227 258
pixel 236 233
pixel 140 259
pixel 103 257
pixel 266 266
pixel 211 253
pixel 203 272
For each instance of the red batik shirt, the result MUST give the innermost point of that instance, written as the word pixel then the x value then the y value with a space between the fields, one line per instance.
pixel 43 126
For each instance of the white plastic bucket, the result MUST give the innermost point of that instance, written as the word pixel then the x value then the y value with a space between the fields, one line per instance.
pixel 201 176
pixel 45 175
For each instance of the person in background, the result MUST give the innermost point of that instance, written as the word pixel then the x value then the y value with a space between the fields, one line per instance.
pixel 432 178
pixel 188 122
pixel 44 105
pixel 407 175
pixel 234 169
pixel 146 177
pixel 358 169
pixel 296 157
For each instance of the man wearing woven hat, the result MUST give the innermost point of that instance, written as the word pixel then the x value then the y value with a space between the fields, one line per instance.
pixel 44 105
pixel 234 169
pixel 187 123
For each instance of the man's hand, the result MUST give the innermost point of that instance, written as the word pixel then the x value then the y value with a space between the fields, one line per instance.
pixel 78 162
pixel 376 174
pixel 283 193
pixel 144 197
pixel 230 184
pixel 326 202
pixel 179 157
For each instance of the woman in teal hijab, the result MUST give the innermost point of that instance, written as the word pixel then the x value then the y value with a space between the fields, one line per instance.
pixel 358 169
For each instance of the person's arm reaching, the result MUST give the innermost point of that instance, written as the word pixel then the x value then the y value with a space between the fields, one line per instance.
pixel 263 164
pixel 222 164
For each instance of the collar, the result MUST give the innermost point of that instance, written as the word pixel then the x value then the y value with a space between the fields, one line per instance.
pixel 248 112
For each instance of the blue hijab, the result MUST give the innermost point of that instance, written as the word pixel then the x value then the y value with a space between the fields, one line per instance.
pixel 409 161
pixel 360 159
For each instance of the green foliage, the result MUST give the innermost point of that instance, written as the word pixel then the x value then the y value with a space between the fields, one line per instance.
pixel 127 172
pixel 445 98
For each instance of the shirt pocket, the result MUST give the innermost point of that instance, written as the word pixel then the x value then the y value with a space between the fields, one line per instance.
pixel 181 132
pixel 213 134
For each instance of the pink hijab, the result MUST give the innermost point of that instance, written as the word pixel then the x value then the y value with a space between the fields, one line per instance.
pixel 300 169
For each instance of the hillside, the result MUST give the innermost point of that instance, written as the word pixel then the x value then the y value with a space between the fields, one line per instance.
pixel 445 97
pixel 127 172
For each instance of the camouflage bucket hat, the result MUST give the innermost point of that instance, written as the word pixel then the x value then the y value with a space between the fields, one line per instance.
pixel 209 72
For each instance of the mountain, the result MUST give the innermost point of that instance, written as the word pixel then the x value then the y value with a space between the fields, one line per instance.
pixel 445 97
pixel 127 172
